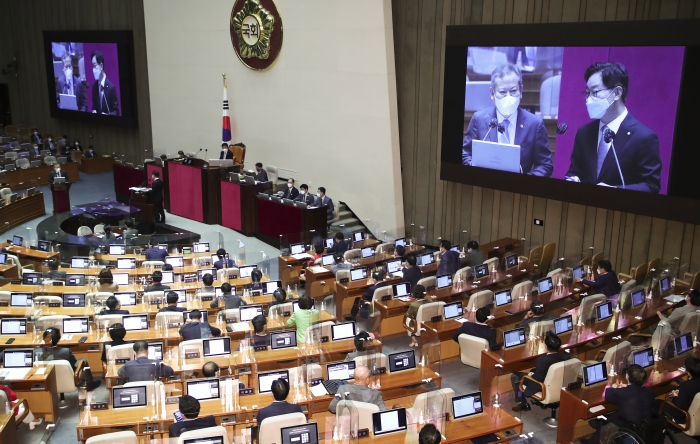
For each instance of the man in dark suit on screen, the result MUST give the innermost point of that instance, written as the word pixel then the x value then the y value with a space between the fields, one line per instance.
pixel 157 190
pixel 104 95
pixel 635 162
pixel 519 126
pixel 71 85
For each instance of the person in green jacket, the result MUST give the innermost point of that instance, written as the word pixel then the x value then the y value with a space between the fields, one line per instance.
pixel 303 318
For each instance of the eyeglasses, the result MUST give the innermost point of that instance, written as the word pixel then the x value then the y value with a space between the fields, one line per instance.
pixel 595 93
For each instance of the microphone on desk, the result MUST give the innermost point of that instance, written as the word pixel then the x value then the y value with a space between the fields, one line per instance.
pixel 492 124
pixel 501 128
pixel 609 136
pixel 562 127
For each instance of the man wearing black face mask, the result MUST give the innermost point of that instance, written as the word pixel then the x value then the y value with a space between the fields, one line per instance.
pixel 104 95
pixel 635 162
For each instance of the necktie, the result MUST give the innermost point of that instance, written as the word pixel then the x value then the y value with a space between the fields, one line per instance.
pixel 506 134
pixel 102 97
pixel 602 149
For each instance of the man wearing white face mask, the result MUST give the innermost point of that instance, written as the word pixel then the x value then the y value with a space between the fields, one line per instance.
pixel 291 192
pixel 69 84
pixel 519 126
pixel 635 162
pixel 104 95
pixel 304 195
pixel 323 200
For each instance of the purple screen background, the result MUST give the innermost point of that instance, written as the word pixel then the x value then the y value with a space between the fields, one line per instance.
pixel 654 84
pixel 111 68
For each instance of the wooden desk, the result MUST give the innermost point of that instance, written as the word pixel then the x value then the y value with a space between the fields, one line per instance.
pixel 296 224
pixel 582 340
pixel 8 428
pixel 238 205
pixel 96 164
pixel 21 211
pixel 346 293
pixel 29 256
pixel 40 391
pixel 37 176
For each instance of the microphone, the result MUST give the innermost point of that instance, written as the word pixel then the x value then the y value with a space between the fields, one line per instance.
pixel 492 124
pixel 609 137
pixel 562 127
pixel 501 128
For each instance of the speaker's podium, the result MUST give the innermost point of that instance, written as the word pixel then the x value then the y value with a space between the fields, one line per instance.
pixel 143 200
pixel 61 196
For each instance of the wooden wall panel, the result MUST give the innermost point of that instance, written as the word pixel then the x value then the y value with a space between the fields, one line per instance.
pixel 446 209
pixel 21 25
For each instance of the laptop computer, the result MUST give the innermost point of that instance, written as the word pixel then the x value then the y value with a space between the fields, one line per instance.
pixel 245 272
pixel 453 310
pixel 75 280
pixel 544 285
pixel 402 361
pixel 19 358
pixel 31 278
pixel 175 261
pixel 357 274
pixel 181 295
pixel 595 374
pixel 17 240
pixel 74 299
pixel 578 272
pixel 514 338
pixel 393 266
pixel 427 259
pixel 204 389
pixel 21 299
pixel 644 357
pixel 13 326
pixel 269 287
pixel 283 339
pixel 168 277
pixel 389 421
pixel 358 236
pixel 200 247
pixel 683 344
pixel 563 324
pixel 327 259
pixel 300 434
pixel 297 248
pixel 511 261
pixel 248 312
pixel 135 322
pixel 79 262
pixel 603 311
pixel 401 290
pixel 328 242
pixel 638 298
pixel 3 258
pixel 120 278
pixel 265 380
pixel 126 298
pixel 480 271
pixel 466 406
pixel 117 250
pixel 496 156
pixel 367 252
pixel 134 396
pixel 216 346
pixel 126 263
pixel 443 281
pixel 503 298
pixel 346 330
pixel 76 325
pixel 155 351
pixel 341 371
pixel 44 246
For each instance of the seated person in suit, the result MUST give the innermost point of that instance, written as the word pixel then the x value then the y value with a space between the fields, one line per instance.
pixel 35 151
pixel 634 403
pixel 340 263
pixel 211 369
pixel 230 301
pixel 535 314
pixel 54 274
pixel 340 245
pixel 684 395
pixel 155 254
pixel 606 282
pixel 411 273
pixel 553 344
pixel 280 296
pixel 260 174
pixel 50 144
pixel 378 276
pixel 480 328
pixel 156 278
pixel 360 339
pixel 429 434
pixel 449 260
pixel 474 256
pixel 90 153
pixel 50 352
pixel 291 192
pixel 117 333
pixel 189 407
pixel 255 277
pixel 130 230
pixel 359 391
pixel 319 249
pixel 280 406
pixel 304 195
pixel 208 284
pixel 223 262
pixel 171 300
pixel 113 307
pixel 194 328
pixel 324 201
pixel 141 358
pixel 400 252
pixel 692 303
pixel 261 335
pixel 225 152
pixel 419 294
pixel 105 281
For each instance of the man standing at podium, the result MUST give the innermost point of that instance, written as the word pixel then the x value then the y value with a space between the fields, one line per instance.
pixel 56 173
pixel 157 190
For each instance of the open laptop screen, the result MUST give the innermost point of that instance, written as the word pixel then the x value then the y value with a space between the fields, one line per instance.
pixel 270 286
pixel 216 346
pixel 342 331
pixel 204 389
pixel 638 298
pixel 129 397
pixel 248 312
pixel 79 262
pixel 19 358
pixel 357 274
pixel 75 280
pixel 511 260
pixel 453 310
pixel 402 361
pixel 563 325
pixel 644 357
pixel 117 250
pixel 126 299
pixel 245 272
pixel 503 298
pixel 327 259
pixel 300 434
pixel 200 247
pixel 341 371
pixel 593 374
pixel 389 421
pixel 175 261
pixel 75 325
pixel 13 326
pixel 135 322
pixel 467 405
pixel 514 338
pixel 284 339
pixel 126 263
pixel 265 380
pixel 74 299
pixel 443 281
pixel 401 290
pixel 120 278
pixel 544 285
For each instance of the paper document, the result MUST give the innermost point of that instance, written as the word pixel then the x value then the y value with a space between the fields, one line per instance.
pixel 398 274
pixel 597 408
pixel 461 320
pixel 240 326
pixel 319 390
pixel 301 256
pixel 139 189
pixel 15 373
pixel 317 269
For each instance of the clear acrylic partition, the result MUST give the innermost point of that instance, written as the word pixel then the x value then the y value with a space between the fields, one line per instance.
pixel 221 242
pixel 239 250
pixel 372 229
pixel 428 360
pixel 430 407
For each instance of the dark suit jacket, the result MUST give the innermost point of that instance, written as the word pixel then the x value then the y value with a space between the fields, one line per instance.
pixel 90 155
pixel 165 370
pixel 474 257
pixel 261 176
pixel 228 154
pixel 277 408
pixel 52 175
pixel 178 428
pixel 290 193
pixel 328 202
pixel 170 308
pixel 338 247
pixel 110 103
pixel 535 155
pixel 637 149
pixel 479 330
pixel 156 254
pixel 412 275
pixel 367 296
pixel 80 99
pixel 633 402
pixel 114 312
pixel 36 139
pixel 51 146
pixel 606 284
pixel 156 287
pixel 193 331
pixel 686 393
pixel 541 368
pixel 449 263
pixel 157 190
pixel 57 354
pixel 307 198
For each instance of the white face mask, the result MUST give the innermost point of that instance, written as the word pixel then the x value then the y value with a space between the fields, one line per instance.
pixel 289 185
pixel 97 72
pixel 318 194
pixel 302 192
pixel 49 139
pixel 507 105
pixel 597 107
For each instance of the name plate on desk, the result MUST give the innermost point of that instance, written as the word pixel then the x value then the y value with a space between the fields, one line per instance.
pixel 99 406
pixel 363 433
pixel 574 386
pixel 286 314
pixel 122 360
pixel 386 298
pixel 231 321
pixel 3 304
pixel 190 279
pixel 316 381
pixel 436 318
pixel 16 282
pixel 257 292
pixel 204 264
pixel 233 276
pixel 324 338
pixel 57 284
pixel 54 304
pixel 207 298
pixel 192 355
pixel 260 348
pixel 344 280
pixel 173 325
pixel 172 399
pixel 245 391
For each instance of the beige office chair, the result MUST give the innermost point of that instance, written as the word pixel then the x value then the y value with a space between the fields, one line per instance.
pixel 108 320
pixel 191 346
pixel 272 176
pixel 280 309
pixel 470 348
pixel 379 359
pixel 310 371
pixel 164 318
pixel 5 296
pixel 50 160
pixel 5 194
pixel 428 282
pixel 231 313
pixel 342 274
pixel 383 248
pixel 479 299
pixel 127 437
pixel 554 272
pixel 21 405
pixel 84 231
pixel 55 321
pixel 67 379
pixel 11 155
pixel 378 294
pixel 548 252
pixel 352 255
pixel 318 331
pixel 424 314
pixel 219 431
pixel 521 289
pixel 364 412
pixel 223 274
pixel 14 260
pixel 432 398
pixel 615 356
pixel 99 297
pixel 463 274
pixel 269 429
pixel 23 163
pixel 48 300
pixel 493 262
pixel 690 323
pixel 152 264
pixel 540 328
pixel 124 351
pixel 558 376
pixel 99 229
pixel 691 425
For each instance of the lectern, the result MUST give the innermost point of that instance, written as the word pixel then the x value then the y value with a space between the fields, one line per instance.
pixel 144 202
pixel 61 197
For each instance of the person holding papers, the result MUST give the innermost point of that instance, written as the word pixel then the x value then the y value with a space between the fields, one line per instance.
pixel 280 406
pixel 304 195
pixel 157 190
pixel 515 126
pixel 359 391
pixel 140 358
pixel 419 295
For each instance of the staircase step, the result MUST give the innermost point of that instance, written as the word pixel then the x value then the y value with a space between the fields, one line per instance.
pixel 345 214
pixel 349 222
